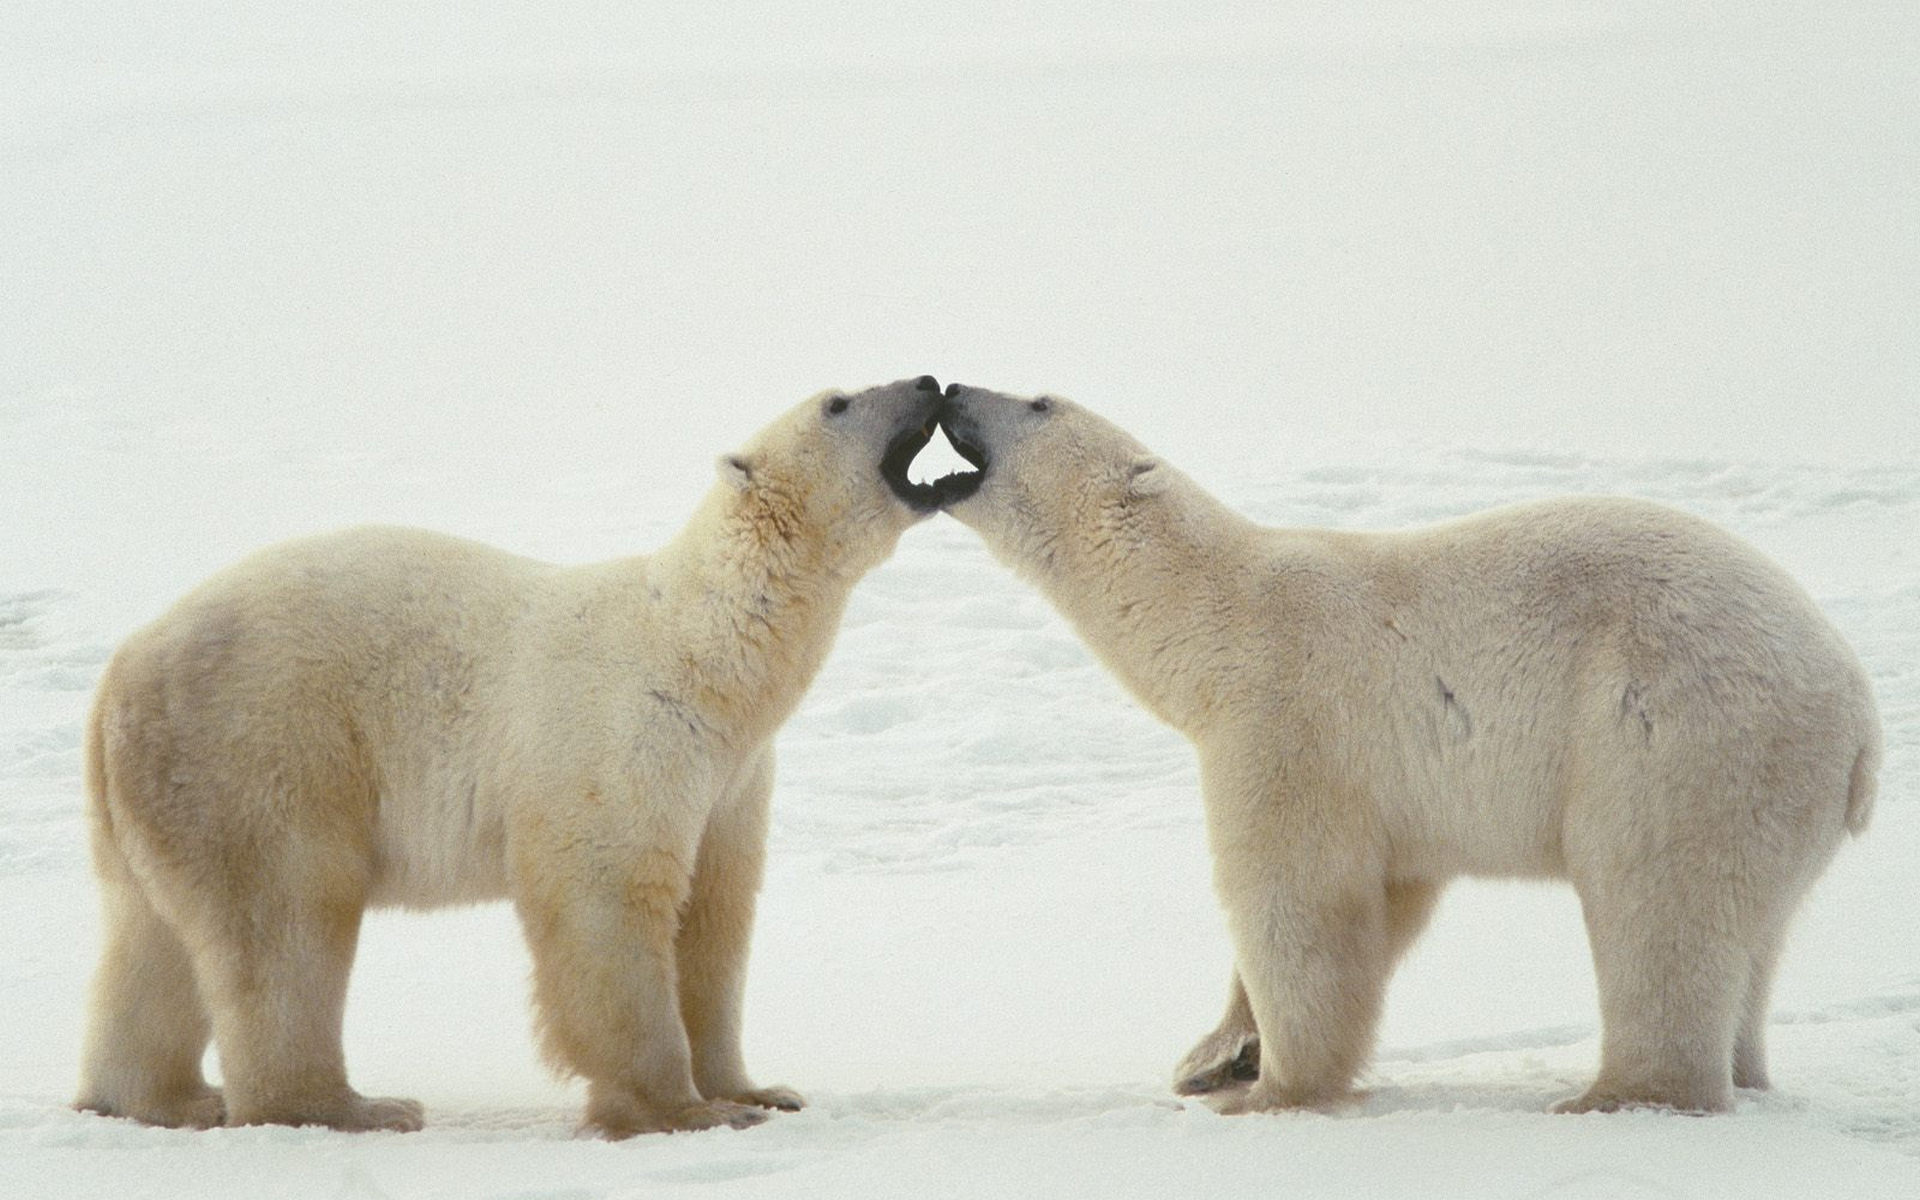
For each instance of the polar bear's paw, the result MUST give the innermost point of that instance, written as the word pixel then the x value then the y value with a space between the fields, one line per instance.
pixel 363 1114
pixel 780 1098
pixel 349 1113
pixel 1680 1099
pixel 390 1113
pixel 617 1121
pixel 1224 1059
pixel 205 1110
pixel 1261 1098
pixel 200 1108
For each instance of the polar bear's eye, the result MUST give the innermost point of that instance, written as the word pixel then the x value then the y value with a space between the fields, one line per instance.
pixel 836 406
pixel 1041 405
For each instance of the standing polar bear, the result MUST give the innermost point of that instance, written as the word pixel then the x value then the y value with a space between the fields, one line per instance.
pixel 1601 691
pixel 392 717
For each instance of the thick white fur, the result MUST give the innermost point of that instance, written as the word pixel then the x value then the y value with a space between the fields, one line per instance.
pixel 1597 690
pixel 392 717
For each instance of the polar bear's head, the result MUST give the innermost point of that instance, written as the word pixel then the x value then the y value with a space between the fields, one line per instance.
pixel 1052 475
pixel 830 476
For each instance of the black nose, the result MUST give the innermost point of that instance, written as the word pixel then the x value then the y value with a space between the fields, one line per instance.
pixel 926 383
pixel 952 389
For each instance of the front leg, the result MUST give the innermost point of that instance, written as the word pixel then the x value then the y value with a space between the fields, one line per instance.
pixel 600 891
pixel 1230 1055
pixel 715 937
pixel 1315 977
pixel 1307 909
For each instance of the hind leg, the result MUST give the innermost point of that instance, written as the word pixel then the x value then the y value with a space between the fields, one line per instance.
pixel 271 923
pixel 1750 1042
pixel 147 1028
pixel 1672 979
pixel 276 974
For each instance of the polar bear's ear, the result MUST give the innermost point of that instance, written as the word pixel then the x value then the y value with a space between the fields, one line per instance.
pixel 736 469
pixel 1145 476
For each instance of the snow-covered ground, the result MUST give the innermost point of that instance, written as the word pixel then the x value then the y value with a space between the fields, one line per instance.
pixel 521 272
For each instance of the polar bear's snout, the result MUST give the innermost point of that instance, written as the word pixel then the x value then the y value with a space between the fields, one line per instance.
pixel 963 432
pixel 989 428
pixel 906 447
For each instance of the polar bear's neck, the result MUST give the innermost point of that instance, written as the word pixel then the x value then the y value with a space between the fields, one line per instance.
pixel 757 608
pixel 1134 581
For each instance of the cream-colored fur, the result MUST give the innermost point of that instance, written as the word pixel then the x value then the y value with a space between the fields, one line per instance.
pixel 1597 690
pixel 392 717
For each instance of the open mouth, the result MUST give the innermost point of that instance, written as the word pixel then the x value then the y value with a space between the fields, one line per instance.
pixel 961 484
pixel 935 494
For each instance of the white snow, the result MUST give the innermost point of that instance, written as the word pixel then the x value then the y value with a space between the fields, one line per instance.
pixel 520 272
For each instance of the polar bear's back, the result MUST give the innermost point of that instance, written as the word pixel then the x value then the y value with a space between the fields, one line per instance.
pixel 1628 586
pixel 351 675
pixel 1582 651
pixel 356 618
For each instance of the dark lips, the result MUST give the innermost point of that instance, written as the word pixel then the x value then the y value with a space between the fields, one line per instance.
pixel 961 484
pixel 930 497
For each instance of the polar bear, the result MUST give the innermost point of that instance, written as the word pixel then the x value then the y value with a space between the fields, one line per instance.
pixel 1597 690
pixel 393 717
